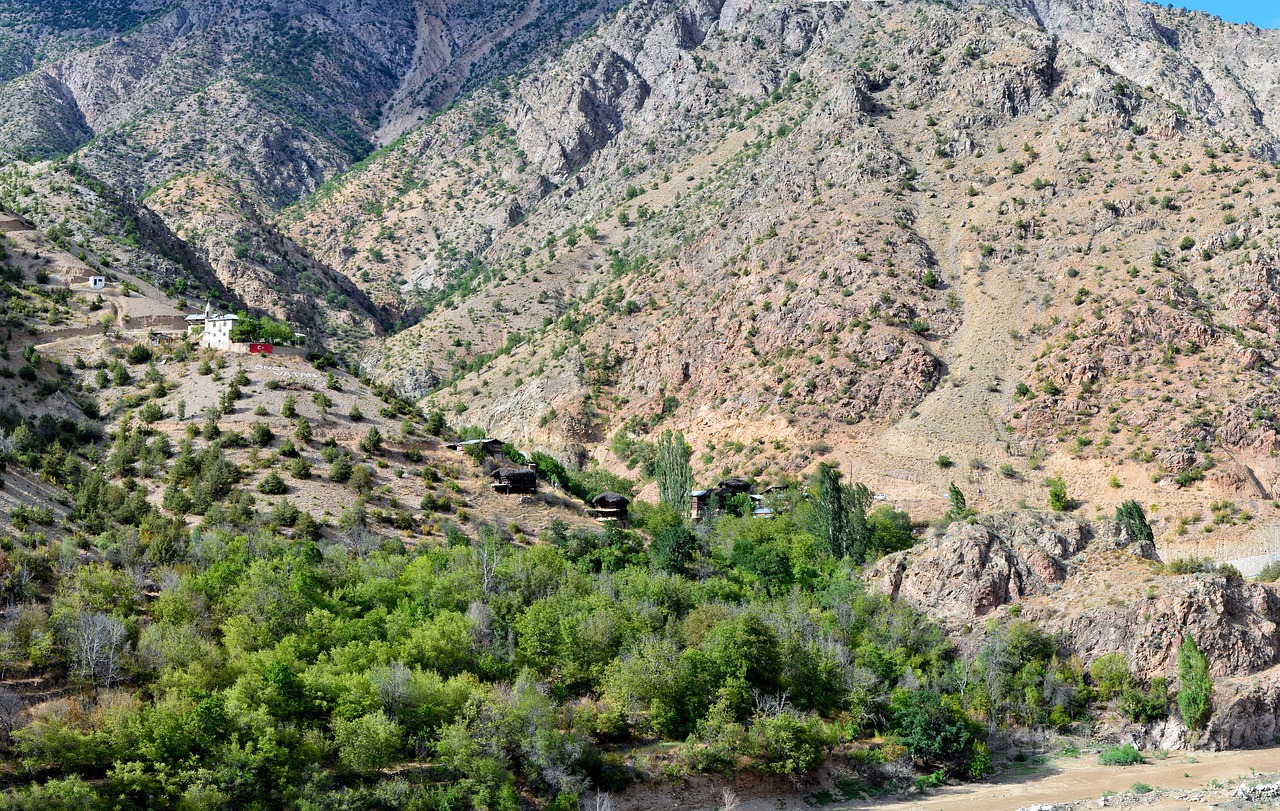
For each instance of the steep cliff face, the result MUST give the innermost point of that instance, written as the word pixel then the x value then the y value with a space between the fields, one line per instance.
pixel 1217 72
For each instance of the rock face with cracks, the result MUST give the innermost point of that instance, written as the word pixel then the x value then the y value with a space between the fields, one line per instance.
pixel 1058 572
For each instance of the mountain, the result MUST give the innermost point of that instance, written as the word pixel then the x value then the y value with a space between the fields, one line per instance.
pixel 218 113
pixel 943 287
pixel 883 233
pixel 899 232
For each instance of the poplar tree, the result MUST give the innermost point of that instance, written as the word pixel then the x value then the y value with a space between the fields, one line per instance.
pixel 674 473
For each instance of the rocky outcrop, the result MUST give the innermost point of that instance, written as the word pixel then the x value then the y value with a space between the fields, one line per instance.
pixel 1233 622
pixel 1218 71
pixel 1086 584
pixel 975 568
pixel 1246 712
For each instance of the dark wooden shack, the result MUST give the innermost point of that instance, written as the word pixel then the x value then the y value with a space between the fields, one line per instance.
pixel 515 480
pixel 610 507
pixel 701 501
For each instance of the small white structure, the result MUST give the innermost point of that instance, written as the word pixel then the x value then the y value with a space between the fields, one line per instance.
pixel 195 321
pixel 97 282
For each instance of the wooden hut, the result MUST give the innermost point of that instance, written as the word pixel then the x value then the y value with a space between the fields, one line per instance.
pixel 515 480
pixel 610 507
pixel 701 501
pixel 491 447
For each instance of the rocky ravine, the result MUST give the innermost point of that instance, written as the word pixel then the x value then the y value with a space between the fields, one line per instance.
pixel 1105 595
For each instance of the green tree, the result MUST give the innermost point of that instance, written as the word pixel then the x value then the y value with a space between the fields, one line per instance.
pixel 289 409
pixel 791 744
pixel 840 515
pixel 1195 685
pixel 261 435
pixel 673 548
pixel 1134 522
pixel 273 485
pixel 890 530
pixel 435 423
pixel 959 509
pixel 340 470
pixel 932 726
pixel 371 442
pixel 368 743
pixel 151 412
pixel 1059 501
pixel 673 471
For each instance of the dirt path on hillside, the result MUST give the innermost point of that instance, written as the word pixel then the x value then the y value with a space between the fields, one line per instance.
pixel 963 417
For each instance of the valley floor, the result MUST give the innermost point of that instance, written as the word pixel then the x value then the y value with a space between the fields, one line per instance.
pixel 1182 780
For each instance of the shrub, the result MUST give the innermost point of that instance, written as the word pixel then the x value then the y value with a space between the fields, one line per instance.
pixel 932 726
pixel 1126 755
pixel 367 743
pixel 260 434
pixel 1059 501
pixel 980 764
pixel 273 485
pixel 943 461
pixel 1270 573
pixel 791 744
pixel 1111 675
pixel 1151 705
pixel 340 471
pixel 151 412
pixel 371 442
pixel 1188 566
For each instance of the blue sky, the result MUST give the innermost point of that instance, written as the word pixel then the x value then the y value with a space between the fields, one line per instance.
pixel 1262 13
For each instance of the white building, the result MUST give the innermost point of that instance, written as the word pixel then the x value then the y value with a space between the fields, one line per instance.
pixel 217 331
pixel 217 328
pixel 97 282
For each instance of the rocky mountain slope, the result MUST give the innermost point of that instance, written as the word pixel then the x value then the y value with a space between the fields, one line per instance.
pixel 218 113
pixel 898 231
pixel 1028 237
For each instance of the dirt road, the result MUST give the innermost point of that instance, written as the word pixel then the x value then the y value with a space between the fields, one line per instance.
pixel 1072 780
pixel 1180 781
